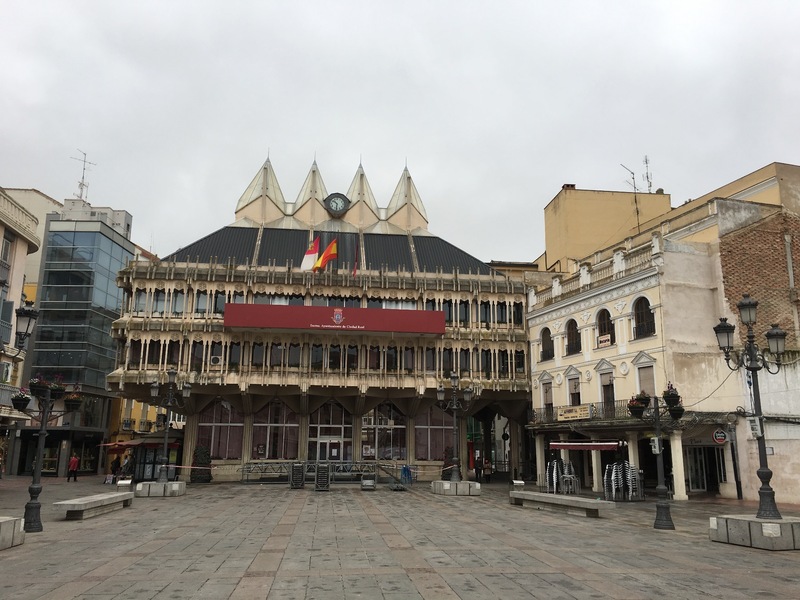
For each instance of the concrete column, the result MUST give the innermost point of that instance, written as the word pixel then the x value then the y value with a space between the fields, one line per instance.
pixel 541 469
pixel 678 470
pixel 597 471
pixel 513 445
pixel 189 444
pixel 411 445
pixel 356 441
pixel 302 450
pixel 247 438
pixel 633 450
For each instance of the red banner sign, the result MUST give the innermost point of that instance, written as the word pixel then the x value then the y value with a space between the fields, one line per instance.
pixel 329 318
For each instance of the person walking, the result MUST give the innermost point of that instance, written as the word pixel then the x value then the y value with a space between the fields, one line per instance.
pixel 478 469
pixel 115 469
pixel 487 470
pixel 73 468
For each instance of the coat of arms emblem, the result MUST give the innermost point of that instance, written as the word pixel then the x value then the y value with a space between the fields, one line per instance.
pixel 338 316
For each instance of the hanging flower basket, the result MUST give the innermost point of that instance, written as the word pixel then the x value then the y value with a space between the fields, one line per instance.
pixel 72 402
pixel 676 412
pixel 38 386
pixel 636 410
pixel 20 401
pixel 671 396
pixel 57 392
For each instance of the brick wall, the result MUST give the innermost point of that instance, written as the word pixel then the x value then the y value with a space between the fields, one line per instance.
pixel 754 261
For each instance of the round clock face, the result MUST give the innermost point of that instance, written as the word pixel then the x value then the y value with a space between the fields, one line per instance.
pixel 337 204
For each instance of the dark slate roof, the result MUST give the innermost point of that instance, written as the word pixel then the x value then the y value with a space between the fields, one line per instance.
pixel 229 242
pixel 284 246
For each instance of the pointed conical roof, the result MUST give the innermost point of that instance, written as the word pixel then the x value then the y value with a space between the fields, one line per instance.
pixel 360 191
pixel 406 193
pixel 313 188
pixel 264 185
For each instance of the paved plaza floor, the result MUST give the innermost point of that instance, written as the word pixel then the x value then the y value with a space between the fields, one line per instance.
pixel 267 541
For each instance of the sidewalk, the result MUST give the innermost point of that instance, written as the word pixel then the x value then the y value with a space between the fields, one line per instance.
pixel 257 541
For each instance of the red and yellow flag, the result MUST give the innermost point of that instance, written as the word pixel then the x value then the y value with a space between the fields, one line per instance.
pixel 328 255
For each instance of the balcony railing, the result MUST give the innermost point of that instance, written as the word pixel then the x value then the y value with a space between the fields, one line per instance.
pixel 597 411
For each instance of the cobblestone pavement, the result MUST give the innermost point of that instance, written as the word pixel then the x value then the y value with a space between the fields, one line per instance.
pixel 266 541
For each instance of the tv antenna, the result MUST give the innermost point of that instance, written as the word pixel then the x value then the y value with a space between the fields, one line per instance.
pixel 632 183
pixel 647 175
pixel 83 187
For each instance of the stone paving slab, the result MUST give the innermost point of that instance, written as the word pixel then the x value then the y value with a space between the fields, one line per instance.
pixel 267 541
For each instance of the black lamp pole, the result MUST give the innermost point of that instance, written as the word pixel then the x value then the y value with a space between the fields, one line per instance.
pixel 753 360
pixel 455 405
pixel 33 518
pixel 663 514
pixel 168 402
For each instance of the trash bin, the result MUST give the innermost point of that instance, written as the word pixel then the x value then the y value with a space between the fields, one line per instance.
pixel 297 477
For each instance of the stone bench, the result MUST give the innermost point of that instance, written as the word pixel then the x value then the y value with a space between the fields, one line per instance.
pixel 91 506
pixel 12 532
pixel 573 505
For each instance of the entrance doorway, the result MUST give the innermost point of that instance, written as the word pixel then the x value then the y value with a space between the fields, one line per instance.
pixel 696 469
pixel 325 449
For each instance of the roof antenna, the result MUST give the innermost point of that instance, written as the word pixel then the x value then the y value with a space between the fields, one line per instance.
pixel 83 187
pixel 647 175
pixel 632 183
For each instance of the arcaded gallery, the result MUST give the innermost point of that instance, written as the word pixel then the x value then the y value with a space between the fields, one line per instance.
pixel 321 330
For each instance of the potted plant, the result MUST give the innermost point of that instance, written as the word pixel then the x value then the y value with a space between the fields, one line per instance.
pixel 638 403
pixel 671 396
pixel 72 401
pixel 21 399
pixel 38 385
pixel 201 466
pixel 57 388
pixel 676 412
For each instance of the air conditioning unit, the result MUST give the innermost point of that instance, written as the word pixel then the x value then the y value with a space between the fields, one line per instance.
pixel 216 360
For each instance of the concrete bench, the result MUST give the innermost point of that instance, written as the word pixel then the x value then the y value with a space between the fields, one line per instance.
pixel 12 532
pixel 573 505
pixel 79 509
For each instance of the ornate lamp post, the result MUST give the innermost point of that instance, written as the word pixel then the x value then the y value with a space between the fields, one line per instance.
pixel 455 405
pixel 670 403
pixel 753 359
pixel 167 402
pixel 46 397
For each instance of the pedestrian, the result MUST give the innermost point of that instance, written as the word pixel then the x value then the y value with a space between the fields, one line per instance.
pixel 478 469
pixel 115 467
pixel 487 470
pixel 126 466
pixel 73 468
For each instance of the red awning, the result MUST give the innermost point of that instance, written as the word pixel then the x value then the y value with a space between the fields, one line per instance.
pixel 588 445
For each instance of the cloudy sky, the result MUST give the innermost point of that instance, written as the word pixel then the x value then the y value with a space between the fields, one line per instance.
pixel 492 105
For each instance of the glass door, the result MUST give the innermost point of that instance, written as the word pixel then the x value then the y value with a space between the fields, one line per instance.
pixel 694 458
pixel 329 449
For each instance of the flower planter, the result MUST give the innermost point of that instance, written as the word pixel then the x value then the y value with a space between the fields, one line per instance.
pixel 676 412
pixel 636 410
pixel 20 403
pixel 672 400
pixel 38 389
pixel 57 393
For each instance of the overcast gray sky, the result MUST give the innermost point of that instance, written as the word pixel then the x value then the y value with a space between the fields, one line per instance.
pixel 492 105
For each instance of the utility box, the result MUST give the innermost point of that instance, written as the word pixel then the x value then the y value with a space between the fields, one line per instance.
pixel 322 482
pixel 297 476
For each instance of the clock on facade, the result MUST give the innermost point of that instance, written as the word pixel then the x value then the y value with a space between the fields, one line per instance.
pixel 337 204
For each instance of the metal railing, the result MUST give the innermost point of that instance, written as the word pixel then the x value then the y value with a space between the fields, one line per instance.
pixel 598 411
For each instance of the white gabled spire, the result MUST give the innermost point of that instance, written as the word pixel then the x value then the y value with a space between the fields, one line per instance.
pixel 406 194
pixel 360 191
pixel 313 188
pixel 264 186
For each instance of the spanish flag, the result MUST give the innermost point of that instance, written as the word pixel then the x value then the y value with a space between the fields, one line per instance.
pixel 327 256
pixel 310 257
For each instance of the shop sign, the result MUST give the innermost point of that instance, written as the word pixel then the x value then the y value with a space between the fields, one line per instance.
pixel 719 436
pixel 573 413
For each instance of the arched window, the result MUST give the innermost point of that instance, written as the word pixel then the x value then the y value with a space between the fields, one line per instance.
pixel 548 350
pixel 605 329
pixel 644 319
pixel 573 337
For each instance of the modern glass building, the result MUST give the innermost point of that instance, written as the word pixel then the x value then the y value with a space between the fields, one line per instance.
pixel 78 301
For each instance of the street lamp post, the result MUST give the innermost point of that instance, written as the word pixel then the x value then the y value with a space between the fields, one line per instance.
pixel 46 398
pixel 455 405
pixel 167 402
pixel 753 359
